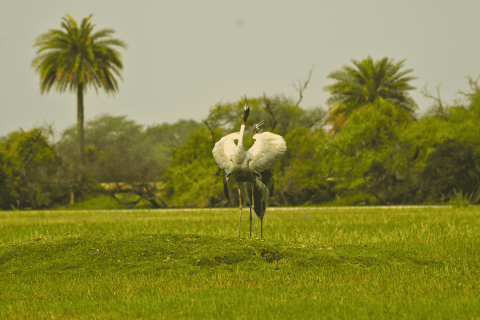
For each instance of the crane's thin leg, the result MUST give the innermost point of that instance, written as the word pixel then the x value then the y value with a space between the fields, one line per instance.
pixel 253 206
pixel 261 228
pixel 250 221
pixel 254 229
pixel 240 206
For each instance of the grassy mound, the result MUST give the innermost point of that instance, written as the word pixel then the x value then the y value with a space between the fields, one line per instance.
pixel 187 253
pixel 328 263
pixel 92 202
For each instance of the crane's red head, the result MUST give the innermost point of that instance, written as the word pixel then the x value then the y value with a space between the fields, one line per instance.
pixel 246 111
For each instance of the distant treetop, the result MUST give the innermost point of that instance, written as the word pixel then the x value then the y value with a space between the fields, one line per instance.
pixel 364 83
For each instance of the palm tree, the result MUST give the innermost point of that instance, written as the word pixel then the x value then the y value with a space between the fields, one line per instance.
pixel 370 80
pixel 75 58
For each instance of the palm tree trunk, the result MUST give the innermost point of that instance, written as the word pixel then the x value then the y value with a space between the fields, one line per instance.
pixel 80 118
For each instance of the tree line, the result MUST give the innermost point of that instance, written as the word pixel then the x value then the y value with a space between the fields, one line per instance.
pixel 369 147
pixel 381 155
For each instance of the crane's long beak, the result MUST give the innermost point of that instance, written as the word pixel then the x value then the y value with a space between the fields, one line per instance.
pixel 246 111
pixel 258 125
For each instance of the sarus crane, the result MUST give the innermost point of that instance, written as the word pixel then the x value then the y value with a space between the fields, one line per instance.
pixel 252 168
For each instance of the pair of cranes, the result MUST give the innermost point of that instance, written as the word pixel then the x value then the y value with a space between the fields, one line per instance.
pixel 252 168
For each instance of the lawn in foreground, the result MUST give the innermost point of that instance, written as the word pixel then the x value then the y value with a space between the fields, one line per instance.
pixel 330 263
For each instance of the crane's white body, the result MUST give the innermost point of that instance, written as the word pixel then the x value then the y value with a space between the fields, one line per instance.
pixel 267 150
pixel 251 168
pixel 245 165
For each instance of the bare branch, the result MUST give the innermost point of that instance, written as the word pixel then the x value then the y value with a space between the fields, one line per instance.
pixel 301 87
pixel 211 131
pixel 427 94
pixel 347 154
pixel 474 87
pixel 268 106
pixel 144 190
pixel 437 108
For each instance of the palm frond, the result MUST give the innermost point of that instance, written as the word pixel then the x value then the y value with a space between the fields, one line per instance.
pixel 84 25
pixel 366 81
pixel 111 42
pixel 71 56
pixel 103 33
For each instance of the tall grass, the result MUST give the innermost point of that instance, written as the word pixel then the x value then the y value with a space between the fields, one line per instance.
pixel 330 263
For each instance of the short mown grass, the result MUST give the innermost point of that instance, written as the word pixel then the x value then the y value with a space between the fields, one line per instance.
pixel 312 264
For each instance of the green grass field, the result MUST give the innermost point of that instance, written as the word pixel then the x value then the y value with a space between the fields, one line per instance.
pixel 313 264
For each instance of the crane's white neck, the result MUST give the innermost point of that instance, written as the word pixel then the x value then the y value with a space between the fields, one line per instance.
pixel 242 130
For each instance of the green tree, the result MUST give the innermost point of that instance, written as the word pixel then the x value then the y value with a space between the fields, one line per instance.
pixel 435 149
pixel 458 123
pixel 118 152
pixel 453 167
pixel 4 188
pixel 75 58
pixel 166 137
pixel 363 155
pixel 305 174
pixel 193 177
pixel 363 84
pixel 31 171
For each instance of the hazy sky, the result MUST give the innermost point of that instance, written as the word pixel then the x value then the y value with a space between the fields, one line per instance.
pixel 185 56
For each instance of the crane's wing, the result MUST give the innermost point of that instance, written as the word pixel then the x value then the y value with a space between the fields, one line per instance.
pixel 223 154
pixel 263 189
pixel 259 191
pixel 225 185
pixel 224 150
pixel 267 150
pixel 268 180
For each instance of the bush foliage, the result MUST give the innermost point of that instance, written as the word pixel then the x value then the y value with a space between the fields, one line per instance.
pixel 380 154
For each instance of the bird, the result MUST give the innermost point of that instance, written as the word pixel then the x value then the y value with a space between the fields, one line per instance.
pixel 252 168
